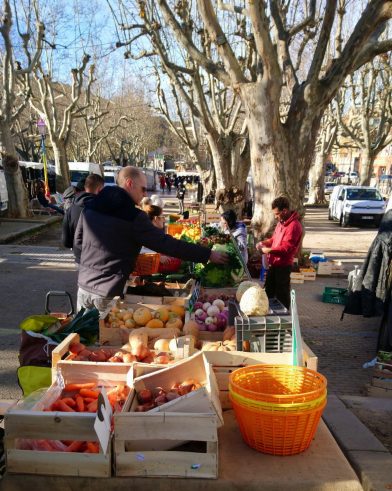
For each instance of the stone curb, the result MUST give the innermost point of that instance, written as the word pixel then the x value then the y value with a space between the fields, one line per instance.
pixel 26 227
pixel 369 458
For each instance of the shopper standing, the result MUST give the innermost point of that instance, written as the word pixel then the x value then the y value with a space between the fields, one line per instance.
pixel 181 196
pixel 111 232
pixel 281 249
pixel 162 180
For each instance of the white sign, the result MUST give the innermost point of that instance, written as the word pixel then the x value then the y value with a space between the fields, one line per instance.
pixel 103 420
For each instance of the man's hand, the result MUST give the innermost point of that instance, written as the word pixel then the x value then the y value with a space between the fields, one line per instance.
pixel 259 246
pixel 266 250
pixel 219 257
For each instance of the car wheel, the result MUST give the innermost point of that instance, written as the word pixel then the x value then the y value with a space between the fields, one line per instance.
pixel 330 217
pixel 344 221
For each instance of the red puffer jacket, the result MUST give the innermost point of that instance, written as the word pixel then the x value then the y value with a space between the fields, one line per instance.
pixel 286 240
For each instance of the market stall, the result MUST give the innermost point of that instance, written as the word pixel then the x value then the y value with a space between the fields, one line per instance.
pixel 154 398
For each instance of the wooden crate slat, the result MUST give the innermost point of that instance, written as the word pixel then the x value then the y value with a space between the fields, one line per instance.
pixel 50 425
pixel 58 463
pixel 168 426
pixel 167 464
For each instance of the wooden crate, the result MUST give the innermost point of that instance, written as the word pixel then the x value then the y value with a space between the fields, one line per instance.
pixel 381 384
pixel 202 401
pixel 118 336
pixel 37 424
pixel 180 296
pixel 131 459
pixel 225 362
pixel 178 439
pixel 309 274
pixel 297 278
pixel 63 350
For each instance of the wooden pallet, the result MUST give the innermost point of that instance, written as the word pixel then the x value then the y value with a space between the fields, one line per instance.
pixel 37 424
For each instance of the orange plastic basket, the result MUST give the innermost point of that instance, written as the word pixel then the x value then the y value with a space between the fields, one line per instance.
pixel 147 264
pixel 277 433
pixel 278 383
pixel 174 228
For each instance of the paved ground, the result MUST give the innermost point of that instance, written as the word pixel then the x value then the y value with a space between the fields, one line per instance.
pixel 31 266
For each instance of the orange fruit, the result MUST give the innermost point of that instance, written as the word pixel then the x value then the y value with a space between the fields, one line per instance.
pixel 162 313
pixel 155 323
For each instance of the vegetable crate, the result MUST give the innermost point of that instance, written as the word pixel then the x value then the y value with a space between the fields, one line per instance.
pixel 177 439
pixel 63 350
pixel 147 264
pixel 224 363
pixel 335 295
pixel 39 424
pixel 264 334
pixel 381 384
pixel 182 294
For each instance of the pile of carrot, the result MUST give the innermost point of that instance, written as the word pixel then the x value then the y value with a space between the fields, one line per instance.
pixel 84 398
pixel 59 446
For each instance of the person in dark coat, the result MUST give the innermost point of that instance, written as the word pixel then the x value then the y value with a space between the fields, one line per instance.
pixel 371 293
pixel 92 185
pixel 181 196
pixel 111 232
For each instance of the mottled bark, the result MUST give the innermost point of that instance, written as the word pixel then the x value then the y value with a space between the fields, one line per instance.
pixel 61 163
pixel 317 180
pixel 367 164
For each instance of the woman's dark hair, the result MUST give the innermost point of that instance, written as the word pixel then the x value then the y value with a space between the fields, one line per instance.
pixel 153 211
pixel 230 217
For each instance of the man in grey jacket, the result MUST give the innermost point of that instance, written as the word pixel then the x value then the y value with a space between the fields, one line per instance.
pixel 111 232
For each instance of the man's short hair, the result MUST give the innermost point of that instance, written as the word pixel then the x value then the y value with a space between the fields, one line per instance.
pixel 80 185
pixel 94 182
pixel 128 172
pixel 281 203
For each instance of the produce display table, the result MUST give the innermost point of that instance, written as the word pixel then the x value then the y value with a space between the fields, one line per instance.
pixel 322 467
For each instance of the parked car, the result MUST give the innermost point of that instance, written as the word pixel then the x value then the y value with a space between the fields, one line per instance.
pixel 361 204
pixel 80 170
pixel 110 175
pixel 328 187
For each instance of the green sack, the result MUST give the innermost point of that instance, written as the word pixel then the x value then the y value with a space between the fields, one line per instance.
pixel 37 323
pixel 33 378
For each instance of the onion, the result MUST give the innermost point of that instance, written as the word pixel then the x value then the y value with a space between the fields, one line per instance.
pixel 199 312
pixel 221 321
pixel 198 305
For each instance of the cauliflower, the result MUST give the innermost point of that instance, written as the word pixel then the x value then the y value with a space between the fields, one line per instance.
pixel 254 301
pixel 242 287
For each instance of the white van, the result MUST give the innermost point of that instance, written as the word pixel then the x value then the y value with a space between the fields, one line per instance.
pixel 110 175
pixel 3 192
pixel 80 170
pixel 361 204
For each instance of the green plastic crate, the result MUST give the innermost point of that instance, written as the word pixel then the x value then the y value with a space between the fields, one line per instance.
pixel 335 295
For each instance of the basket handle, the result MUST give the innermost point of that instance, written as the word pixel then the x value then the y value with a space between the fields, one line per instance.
pixel 55 293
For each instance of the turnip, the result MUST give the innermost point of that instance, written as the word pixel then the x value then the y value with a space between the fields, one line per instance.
pixel 201 325
pixel 212 327
pixel 201 317
pixel 206 306
pixel 213 311
pixel 199 312
pixel 219 303
pixel 209 320
pixel 198 305
pixel 221 321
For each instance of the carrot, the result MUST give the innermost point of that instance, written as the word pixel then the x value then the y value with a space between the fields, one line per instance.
pixel 64 407
pixel 74 447
pixel 92 447
pixel 79 403
pixel 88 399
pixel 92 407
pixel 69 401
pixel 89 393
pixel 71 387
